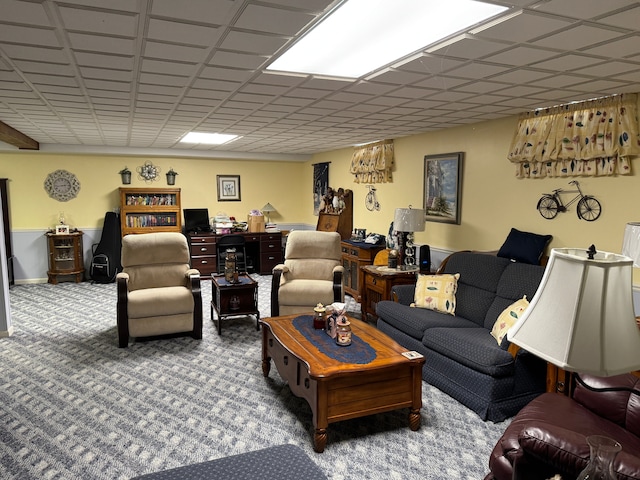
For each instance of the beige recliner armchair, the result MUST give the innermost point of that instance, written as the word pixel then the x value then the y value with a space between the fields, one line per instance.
pixel 158 293
pixel 311 274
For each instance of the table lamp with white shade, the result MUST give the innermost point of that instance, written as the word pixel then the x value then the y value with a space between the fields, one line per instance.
pixel 268 209
pixel 406 221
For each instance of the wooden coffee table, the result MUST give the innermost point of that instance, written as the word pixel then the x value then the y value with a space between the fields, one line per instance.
pixel 337 390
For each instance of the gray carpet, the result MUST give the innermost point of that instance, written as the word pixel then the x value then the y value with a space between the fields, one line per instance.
pixel 74 406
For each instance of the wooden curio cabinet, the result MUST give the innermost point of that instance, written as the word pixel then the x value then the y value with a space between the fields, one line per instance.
pixel 354 256
pixel 146 210
pixel 65 256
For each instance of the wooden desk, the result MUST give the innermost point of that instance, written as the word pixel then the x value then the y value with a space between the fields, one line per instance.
pixel 264 249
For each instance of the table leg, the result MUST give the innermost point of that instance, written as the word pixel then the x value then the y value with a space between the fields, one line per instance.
pixel 414 419
pixel 319 440
pixel 266 359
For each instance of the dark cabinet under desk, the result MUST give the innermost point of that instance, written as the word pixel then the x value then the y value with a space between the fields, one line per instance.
pixel 264 251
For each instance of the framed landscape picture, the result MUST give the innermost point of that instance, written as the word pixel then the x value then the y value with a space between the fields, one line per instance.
pixel 442 187
pixel 228 188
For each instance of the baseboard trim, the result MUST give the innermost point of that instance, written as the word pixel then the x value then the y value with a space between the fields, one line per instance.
pixel 6 333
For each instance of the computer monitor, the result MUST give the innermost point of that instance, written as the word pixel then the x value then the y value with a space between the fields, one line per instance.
pixel 196 220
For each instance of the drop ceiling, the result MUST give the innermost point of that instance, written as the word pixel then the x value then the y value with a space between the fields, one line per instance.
pixel 127 76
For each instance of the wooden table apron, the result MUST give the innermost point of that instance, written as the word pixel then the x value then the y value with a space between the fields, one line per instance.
pixel 338 391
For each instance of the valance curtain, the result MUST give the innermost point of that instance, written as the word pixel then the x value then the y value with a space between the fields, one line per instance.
pixel 372 163
pixel 590 138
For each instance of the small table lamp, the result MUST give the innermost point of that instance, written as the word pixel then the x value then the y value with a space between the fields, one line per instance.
pixel 406 221
pixel 268 209
pixel 581 318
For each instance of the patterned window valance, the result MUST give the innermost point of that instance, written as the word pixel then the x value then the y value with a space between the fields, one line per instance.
pixel 590 138
pixel 372 163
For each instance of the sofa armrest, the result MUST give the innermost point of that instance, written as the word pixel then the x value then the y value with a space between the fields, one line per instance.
pixel 403 294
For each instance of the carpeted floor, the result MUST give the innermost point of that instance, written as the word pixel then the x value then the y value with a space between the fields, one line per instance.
pixel 74 406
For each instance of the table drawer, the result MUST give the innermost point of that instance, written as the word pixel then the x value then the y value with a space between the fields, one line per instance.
pixel 203 249
pixel 268 261
pixel 205 264
pixel 272 246
pixel 375 282
pixel 204 239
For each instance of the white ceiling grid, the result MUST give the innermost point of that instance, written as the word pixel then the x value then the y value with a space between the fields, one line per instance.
pixel 142 73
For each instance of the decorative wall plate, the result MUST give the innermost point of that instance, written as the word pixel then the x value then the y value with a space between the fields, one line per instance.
pixel 148 172
pixel 62 185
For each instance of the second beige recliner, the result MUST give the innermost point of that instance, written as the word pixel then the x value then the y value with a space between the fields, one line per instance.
pixel 311 273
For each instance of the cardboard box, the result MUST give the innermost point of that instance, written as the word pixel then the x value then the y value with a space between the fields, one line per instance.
pixel 256 223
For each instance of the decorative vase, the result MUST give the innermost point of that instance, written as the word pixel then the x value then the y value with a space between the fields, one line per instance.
pixel 603 451
pixel 230 266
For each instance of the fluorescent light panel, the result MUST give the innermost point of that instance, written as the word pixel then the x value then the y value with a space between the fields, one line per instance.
pixel 208 138
pixel 363 35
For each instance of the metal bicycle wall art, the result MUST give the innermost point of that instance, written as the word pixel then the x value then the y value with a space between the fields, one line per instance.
pixel 588 207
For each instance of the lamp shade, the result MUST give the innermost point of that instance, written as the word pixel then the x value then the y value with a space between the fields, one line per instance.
pixel 268 208
pixel 631 242
pixel 409 220
pixel 581 318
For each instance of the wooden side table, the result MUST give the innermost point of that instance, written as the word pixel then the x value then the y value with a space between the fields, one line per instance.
pixel 234 299
pixel 378 281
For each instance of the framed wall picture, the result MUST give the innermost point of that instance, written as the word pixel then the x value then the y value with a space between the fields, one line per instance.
pixel 442 187
pixel 228 188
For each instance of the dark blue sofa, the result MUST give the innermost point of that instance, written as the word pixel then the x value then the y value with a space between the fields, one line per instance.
pixel 462 358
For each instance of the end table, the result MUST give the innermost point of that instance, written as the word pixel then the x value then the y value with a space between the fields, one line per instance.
pixel 378 281
pixel 234 299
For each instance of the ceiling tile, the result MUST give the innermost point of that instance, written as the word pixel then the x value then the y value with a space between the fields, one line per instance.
pixel 99 21
pixel 183 33
pixel 578 38
pixel 524 27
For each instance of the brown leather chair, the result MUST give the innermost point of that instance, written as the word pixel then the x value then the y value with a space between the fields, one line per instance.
pixel 311 274
pixel 158 293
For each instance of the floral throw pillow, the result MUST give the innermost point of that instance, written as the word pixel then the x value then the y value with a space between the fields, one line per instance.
pixel 507 318
pixel 437 292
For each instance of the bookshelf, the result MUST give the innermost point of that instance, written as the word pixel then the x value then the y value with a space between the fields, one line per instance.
pixel 146 210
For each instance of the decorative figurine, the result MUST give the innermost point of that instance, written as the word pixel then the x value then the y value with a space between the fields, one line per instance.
pixel 343 331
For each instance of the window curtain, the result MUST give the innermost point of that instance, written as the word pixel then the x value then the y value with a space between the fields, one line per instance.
pixel 591 138
pixel 372 163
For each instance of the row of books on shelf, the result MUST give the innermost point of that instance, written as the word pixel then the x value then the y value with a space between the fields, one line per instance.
pixel 151 220
pixel 151 200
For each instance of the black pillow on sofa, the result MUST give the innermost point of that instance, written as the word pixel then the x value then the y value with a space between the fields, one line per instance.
pixel 524 247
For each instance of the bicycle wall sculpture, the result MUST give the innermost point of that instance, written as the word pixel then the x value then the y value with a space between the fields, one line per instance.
pixel 550 204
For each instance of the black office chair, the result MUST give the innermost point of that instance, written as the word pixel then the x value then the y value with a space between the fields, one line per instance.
pixel 243 264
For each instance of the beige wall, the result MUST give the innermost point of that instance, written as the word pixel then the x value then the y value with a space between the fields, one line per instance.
pixel 32 208
pixel 493 200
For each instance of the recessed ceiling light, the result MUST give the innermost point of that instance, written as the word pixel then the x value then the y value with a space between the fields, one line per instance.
pixel 208 138
pixel 361 36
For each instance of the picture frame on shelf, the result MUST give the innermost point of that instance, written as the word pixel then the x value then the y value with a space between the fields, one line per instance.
pixel 443 187
pixel 62 229
pixel 228 188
